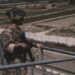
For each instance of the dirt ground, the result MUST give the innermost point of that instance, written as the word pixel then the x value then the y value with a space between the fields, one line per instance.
pixel 61 27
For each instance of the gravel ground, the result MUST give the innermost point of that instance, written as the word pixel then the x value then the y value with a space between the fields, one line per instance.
pixel 61 27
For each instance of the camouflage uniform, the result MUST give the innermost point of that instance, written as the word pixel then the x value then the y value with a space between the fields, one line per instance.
pixel 6 36
pixel 9 37
pixel 14 37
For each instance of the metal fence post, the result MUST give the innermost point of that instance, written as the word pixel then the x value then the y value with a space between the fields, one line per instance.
pixel 42 58
pixel 1 53
pixel 2 59
pixel 32 70
pixel 18 71
pixel 37 55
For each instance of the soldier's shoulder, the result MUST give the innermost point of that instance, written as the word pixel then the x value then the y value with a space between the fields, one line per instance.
pixel 5 32
pixel 2 30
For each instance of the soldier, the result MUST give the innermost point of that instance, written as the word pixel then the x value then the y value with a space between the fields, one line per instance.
pixel 13 46
pixel 17 17
pixel 16 45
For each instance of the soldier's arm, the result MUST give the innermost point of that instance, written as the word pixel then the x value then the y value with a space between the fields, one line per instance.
pixel 30 42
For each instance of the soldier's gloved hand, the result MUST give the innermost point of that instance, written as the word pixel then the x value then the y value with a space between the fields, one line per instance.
pixel 39 45
pixel 21 44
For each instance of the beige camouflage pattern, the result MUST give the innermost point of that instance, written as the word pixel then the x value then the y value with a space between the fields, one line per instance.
pixel 6 36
